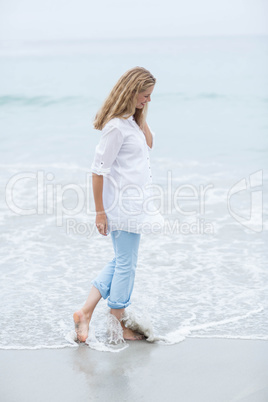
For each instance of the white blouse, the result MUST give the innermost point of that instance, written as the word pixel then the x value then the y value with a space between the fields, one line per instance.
pixel 122 157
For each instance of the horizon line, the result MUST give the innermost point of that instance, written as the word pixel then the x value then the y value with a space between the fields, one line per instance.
pixel 116 38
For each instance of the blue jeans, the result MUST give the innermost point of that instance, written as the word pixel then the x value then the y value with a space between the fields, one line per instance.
pixel 116 280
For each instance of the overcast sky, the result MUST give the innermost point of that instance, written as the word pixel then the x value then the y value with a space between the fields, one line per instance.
pixel 81 19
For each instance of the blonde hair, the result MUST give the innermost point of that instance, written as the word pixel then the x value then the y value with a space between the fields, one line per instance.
pixel 121 102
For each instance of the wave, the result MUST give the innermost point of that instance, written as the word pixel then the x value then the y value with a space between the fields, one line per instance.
pixel 210 95
pixel 43 100
pixel 186 330
pixel 165 163
pixel 234 337
pixel 47 101
pixel 36 166
pixel 182 96
pixel 186 97
pixel 94 343
pixel 141 323
pixel 37 347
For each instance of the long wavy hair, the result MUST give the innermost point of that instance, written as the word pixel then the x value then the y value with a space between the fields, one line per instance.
pixel 122 100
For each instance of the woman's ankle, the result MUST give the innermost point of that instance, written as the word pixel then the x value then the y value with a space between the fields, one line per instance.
pixel 87 313
pixel 118 313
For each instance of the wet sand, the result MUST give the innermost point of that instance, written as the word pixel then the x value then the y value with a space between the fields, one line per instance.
pixel 196 370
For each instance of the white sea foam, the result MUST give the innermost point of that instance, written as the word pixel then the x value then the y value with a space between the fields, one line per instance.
pixel 187 330
pixel 113 342
pixel 37 347
pixel 140 323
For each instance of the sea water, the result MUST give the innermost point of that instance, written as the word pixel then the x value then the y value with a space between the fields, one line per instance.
pixel 205 274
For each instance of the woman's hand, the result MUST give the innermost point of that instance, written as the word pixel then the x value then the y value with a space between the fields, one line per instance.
pixel 101 223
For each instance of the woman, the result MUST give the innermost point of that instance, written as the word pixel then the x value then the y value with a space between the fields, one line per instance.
pixel 121 180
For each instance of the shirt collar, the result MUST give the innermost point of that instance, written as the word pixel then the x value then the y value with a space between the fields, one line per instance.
pixel 129 118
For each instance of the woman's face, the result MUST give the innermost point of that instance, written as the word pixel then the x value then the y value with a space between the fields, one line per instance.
pixel 144 97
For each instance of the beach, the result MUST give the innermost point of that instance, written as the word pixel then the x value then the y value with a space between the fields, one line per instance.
pixel 200 286
pixel 196 370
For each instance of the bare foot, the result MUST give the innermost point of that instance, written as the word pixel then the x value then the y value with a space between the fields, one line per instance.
pixel 81 321
pixel 130 335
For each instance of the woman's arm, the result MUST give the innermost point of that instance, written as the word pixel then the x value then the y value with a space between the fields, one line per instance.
pixel 148 135
pixel 101 219
pixel 105 154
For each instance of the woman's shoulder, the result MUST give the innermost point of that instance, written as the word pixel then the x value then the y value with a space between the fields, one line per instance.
pixel 116 122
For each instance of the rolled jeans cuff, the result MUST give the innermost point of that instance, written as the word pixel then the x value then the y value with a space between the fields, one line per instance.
pixel 103 289
pixel 117 305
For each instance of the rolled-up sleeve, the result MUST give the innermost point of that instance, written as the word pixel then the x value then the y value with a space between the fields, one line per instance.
pixel 107 150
